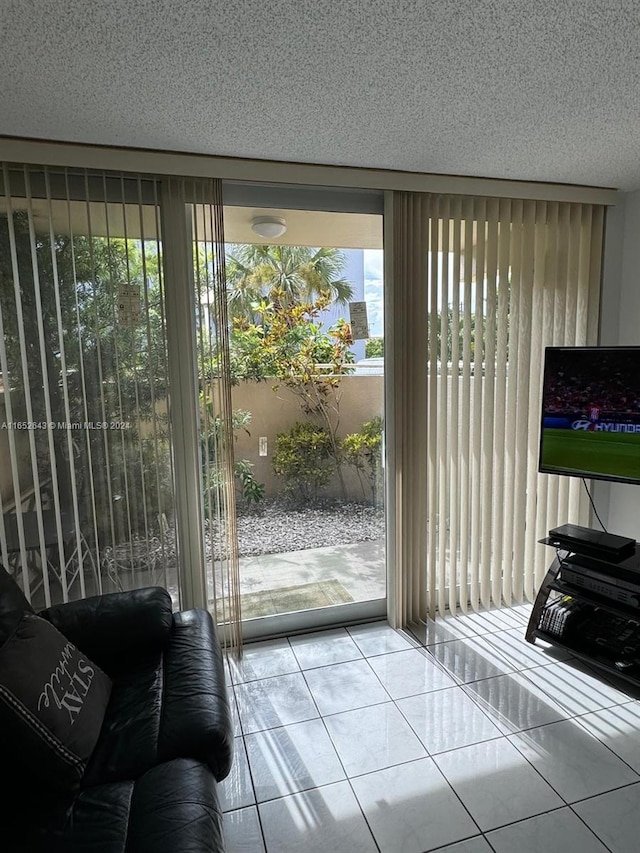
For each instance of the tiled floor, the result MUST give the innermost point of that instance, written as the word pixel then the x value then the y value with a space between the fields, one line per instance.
pixel 359 739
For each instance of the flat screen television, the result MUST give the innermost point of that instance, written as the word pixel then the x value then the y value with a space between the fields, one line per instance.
pixel 591 413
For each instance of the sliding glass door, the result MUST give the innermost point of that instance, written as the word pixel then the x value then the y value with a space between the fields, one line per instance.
pixel 270 448
pixel 305 296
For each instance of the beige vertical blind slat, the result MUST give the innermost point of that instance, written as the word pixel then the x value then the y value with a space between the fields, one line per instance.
pixel 594 246
pixel 465 410
pixel 476 495
pixel 501 568
pixel 490 560
pixel 442 374
pixel 533 284
pixel 452 415
pixel 542 330
pixel 515 432
pixel 488 569
pixel 435 278
pixel 526 329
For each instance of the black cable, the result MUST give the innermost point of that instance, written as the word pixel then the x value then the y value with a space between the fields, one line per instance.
pixel 593 506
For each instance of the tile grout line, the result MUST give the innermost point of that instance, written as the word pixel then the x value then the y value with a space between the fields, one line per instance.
pixel 592 831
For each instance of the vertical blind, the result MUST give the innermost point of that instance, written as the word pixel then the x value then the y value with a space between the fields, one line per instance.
pixel 502 280
pixel 86 495
pixel 89 433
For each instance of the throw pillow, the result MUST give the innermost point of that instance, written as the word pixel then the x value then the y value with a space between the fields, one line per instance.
pixel 52 702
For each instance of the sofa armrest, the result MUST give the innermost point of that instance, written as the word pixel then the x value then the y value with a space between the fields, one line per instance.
pixel 112 628
pixel 196 719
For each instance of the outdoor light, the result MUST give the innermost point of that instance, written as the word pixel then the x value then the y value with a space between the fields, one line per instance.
pixel 269 226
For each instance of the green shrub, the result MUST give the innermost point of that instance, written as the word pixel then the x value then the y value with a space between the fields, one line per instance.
pixel 374 348
pixel 304 459
pixel 363 450
pixel 250 489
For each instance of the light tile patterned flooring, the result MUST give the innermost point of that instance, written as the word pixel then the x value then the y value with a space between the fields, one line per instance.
pixel 359 739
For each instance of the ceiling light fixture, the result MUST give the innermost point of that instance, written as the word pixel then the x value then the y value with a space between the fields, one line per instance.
pixel 269 226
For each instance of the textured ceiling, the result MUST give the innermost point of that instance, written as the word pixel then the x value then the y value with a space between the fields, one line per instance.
pixel 546 90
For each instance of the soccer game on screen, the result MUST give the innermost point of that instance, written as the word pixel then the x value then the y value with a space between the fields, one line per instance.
pixel 591 413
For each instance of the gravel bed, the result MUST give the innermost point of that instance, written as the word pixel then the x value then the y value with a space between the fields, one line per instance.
pixel 274 528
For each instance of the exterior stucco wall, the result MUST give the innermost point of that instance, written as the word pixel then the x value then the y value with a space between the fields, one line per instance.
pixel 276 411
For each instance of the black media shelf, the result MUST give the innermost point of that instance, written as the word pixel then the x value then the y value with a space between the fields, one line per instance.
pixel 596 600
pixel 603 663
pixel 595 613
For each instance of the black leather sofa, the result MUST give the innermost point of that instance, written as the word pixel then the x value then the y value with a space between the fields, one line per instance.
pixel 165 740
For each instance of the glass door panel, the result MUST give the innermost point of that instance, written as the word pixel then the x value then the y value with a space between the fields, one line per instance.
pixel 307 357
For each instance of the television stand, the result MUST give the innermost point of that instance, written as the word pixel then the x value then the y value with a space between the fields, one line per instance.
pixel 589 604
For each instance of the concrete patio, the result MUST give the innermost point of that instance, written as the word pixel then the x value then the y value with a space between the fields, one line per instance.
pixel 315 577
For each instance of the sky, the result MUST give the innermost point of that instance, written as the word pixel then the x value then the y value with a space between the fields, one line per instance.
pixel 373 290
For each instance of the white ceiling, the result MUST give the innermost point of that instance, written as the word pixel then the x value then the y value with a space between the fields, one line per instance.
pixel 543 90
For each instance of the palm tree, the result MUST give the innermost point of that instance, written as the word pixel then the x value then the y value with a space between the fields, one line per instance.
pixel 299 272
